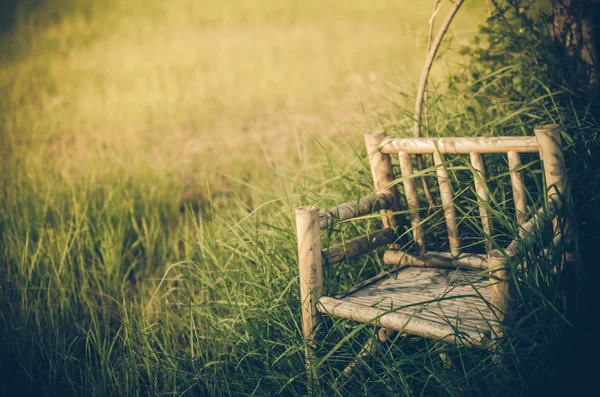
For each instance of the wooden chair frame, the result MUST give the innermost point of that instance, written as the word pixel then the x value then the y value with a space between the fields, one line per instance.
pixel 310 220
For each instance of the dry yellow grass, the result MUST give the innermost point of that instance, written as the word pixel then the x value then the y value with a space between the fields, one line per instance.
pixel 160 83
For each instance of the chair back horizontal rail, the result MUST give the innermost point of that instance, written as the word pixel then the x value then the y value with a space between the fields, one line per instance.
pixel 359 245
pixel 505 144
pixel 365 206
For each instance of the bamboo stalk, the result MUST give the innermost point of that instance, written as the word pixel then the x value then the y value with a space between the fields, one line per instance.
pixel 503 144
pixel 383 176
pixel 448 203
pixel 483 197
pixel 311 281
pixel 516 179
pixel 410 191
pixel 358 245
pixel 366 205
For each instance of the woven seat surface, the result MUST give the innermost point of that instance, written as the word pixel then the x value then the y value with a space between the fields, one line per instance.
pixel 459 298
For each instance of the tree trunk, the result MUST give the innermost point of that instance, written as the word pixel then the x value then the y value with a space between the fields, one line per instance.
pixel 575 32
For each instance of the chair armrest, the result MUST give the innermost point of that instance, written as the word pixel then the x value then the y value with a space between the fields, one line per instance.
pixel 358 245
pixel 364 206
pixel 542 219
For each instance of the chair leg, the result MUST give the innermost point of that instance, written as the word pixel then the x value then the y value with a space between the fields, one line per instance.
pixel 446 359
pixel 369 348
pixel 311 369
pixel 448 364
pixel 311 284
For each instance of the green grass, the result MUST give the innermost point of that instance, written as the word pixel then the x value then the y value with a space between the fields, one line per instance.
pixel 152 157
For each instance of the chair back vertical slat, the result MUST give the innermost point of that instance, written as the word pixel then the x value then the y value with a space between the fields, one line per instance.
pixel 410 191
pixel 448 203
pixel 383 175
pixel 483 196
pixel 516 179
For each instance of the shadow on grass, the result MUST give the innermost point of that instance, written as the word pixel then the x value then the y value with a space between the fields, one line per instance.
pixel 10 10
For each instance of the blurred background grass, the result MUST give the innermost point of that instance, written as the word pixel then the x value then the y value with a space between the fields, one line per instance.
pixel 159 85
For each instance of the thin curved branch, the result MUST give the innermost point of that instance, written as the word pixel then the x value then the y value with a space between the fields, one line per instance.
pixel 427 68
pixel 423 84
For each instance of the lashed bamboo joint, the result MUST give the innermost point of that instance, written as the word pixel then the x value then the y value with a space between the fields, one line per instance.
pixel 457 297
pixel 383 175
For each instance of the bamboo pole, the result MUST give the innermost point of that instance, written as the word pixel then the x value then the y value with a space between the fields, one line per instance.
pixel 448 203
pixel 410 191
pixel 383 175
pixel 311 281
pixel 501 144
pixel 483 197
pixel 364 206
pixel 516 179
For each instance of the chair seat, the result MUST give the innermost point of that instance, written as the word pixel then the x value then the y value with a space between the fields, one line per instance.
pixel 431 302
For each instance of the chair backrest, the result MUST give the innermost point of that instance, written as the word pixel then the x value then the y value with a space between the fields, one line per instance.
pixel 380 149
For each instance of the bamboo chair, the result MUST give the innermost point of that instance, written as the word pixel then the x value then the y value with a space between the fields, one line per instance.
pixel 483 306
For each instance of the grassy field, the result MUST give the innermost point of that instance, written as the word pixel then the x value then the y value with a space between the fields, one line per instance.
pixel 152 155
